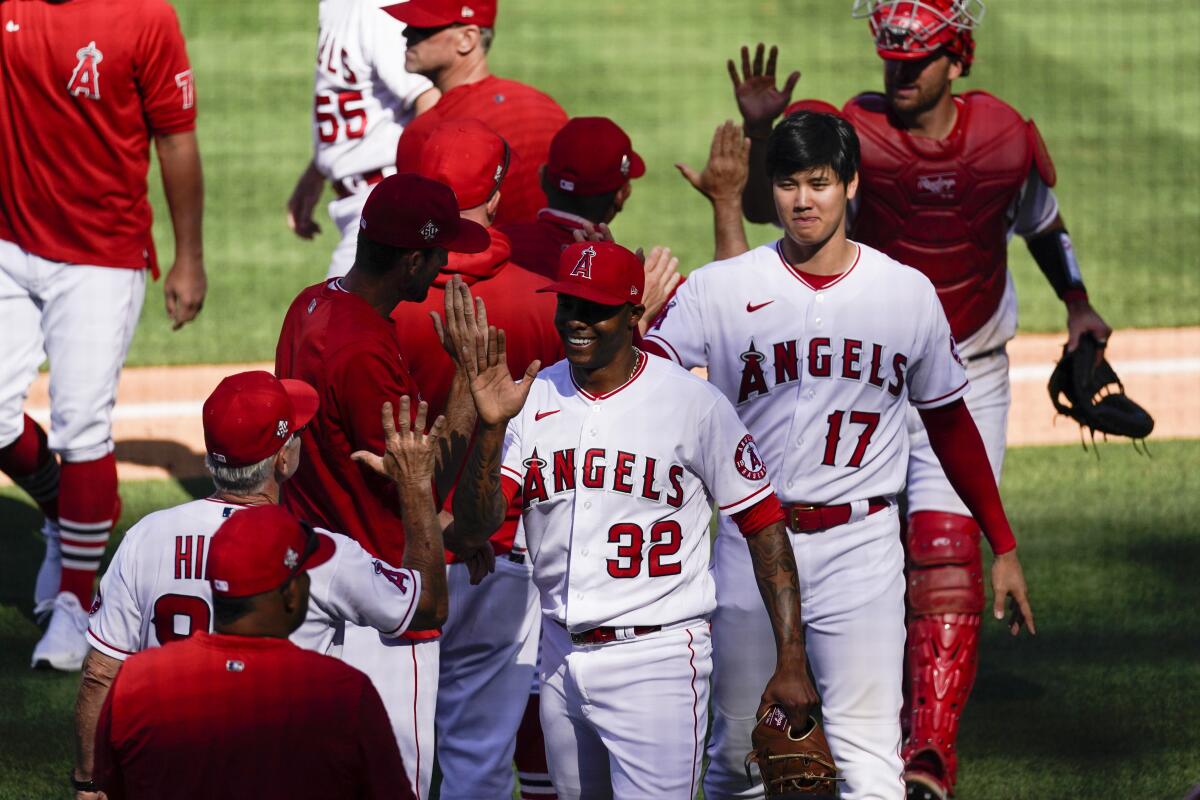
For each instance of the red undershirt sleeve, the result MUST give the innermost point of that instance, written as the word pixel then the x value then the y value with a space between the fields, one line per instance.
pixel 509 488
pixel 758 517
pixel 956 442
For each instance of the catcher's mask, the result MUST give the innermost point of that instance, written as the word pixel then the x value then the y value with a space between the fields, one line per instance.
pixel 907 30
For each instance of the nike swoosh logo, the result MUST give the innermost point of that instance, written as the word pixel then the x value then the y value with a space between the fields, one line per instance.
pixel 751 308
pixel 541 415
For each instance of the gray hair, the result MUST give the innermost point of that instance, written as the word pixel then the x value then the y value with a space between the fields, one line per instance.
pixel 243 480
pixel 486 37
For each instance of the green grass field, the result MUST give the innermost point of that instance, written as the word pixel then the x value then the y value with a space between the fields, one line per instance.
pixel 1111 84
pixel 1101 704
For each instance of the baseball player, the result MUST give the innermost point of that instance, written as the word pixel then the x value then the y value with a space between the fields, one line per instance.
pixel 94 83
pixel 363 99
pixel 489 643
pixel 617 458
pixel 448 42
pixel 946 180
pixel 155 591
pixel 587 178
pixel 822 343
pixel 243 713
pixel 337 336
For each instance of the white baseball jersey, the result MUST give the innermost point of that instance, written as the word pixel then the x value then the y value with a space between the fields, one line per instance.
pixel 364 97
pixel 155 589
pixel 618 492
pixel 821 376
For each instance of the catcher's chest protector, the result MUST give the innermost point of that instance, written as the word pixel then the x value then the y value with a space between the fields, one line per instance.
pixel 943 206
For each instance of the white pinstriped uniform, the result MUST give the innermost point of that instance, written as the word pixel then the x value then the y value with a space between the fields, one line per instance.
pixel 618 493
pixel 363 98
pixel 155 590
pixel 823 377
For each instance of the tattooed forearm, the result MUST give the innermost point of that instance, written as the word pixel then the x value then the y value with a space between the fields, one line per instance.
pixel 775 572
pixel 452 448
pixel 478 501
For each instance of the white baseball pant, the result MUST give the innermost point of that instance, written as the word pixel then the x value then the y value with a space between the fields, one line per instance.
pixel 488 655
pixel 852 604
pixel 80 317
pixel 405 673
pixel 345 213
pixel 626 719
pixel 988 401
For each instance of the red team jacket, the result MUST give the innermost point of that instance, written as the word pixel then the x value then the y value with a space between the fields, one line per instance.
pixel 104 76
pixel 510 294
pixel 525 117
pixel 341 346
pixel 537 244
pixel 244 717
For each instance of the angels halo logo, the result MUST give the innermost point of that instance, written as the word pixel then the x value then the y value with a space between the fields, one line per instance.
pixel 747 460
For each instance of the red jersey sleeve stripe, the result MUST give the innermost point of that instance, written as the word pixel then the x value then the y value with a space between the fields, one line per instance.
pixel 738 505
pixel 108 649
pixel 946 396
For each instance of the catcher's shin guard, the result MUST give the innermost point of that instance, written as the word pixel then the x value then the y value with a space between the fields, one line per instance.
pixel 945 600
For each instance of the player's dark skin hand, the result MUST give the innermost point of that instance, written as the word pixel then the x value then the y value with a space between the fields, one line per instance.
pixel 1008 580
pixel 758 98
pixel 791 690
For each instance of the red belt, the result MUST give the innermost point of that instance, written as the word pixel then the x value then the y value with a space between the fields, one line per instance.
pixel 608 634
pixel 808 519
pixel 355 183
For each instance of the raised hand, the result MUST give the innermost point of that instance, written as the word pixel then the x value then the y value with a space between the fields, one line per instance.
pixel 662 276
pixel 465 328
pixel 593 233
pixel 1008 580
pixel 728 166
pixel 409 451
pixel 758 98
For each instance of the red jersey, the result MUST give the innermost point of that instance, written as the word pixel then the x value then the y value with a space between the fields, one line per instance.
pixel 513 303
pixel 537 245
pixel 525 117
pixel 83 86
pixel 336 342
pixel 244 717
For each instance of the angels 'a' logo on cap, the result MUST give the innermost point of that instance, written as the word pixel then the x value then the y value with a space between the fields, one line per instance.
pixel 625 165
pixel 281 429
pixel 428 231
pixel 583 267
pixel 291 558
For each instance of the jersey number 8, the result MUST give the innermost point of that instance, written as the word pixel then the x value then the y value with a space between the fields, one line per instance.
pixel 169 606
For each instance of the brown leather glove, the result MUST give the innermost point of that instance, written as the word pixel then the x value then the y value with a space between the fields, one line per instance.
pixel 794 762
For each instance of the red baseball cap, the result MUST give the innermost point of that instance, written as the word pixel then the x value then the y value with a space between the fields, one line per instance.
pixel 259 548
pixel 439 13
pixel 250 415
pixel 819 106
pixel 592 155
pixel 407 210
pixel 603 272
pixel 466 155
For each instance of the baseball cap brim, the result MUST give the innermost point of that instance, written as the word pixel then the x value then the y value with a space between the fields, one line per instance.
pixel 585 292
pixel 471 237
pixel 326 547
pixel 637 167
pixel 418 16
pixel 305 401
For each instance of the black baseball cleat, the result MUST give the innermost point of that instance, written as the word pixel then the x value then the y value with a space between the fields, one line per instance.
pixel 920 785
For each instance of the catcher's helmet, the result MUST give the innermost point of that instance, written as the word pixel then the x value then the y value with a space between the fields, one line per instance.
pixel 913 29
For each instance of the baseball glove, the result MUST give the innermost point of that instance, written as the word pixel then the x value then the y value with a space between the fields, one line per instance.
pixel 795 763
pixel 1085 388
